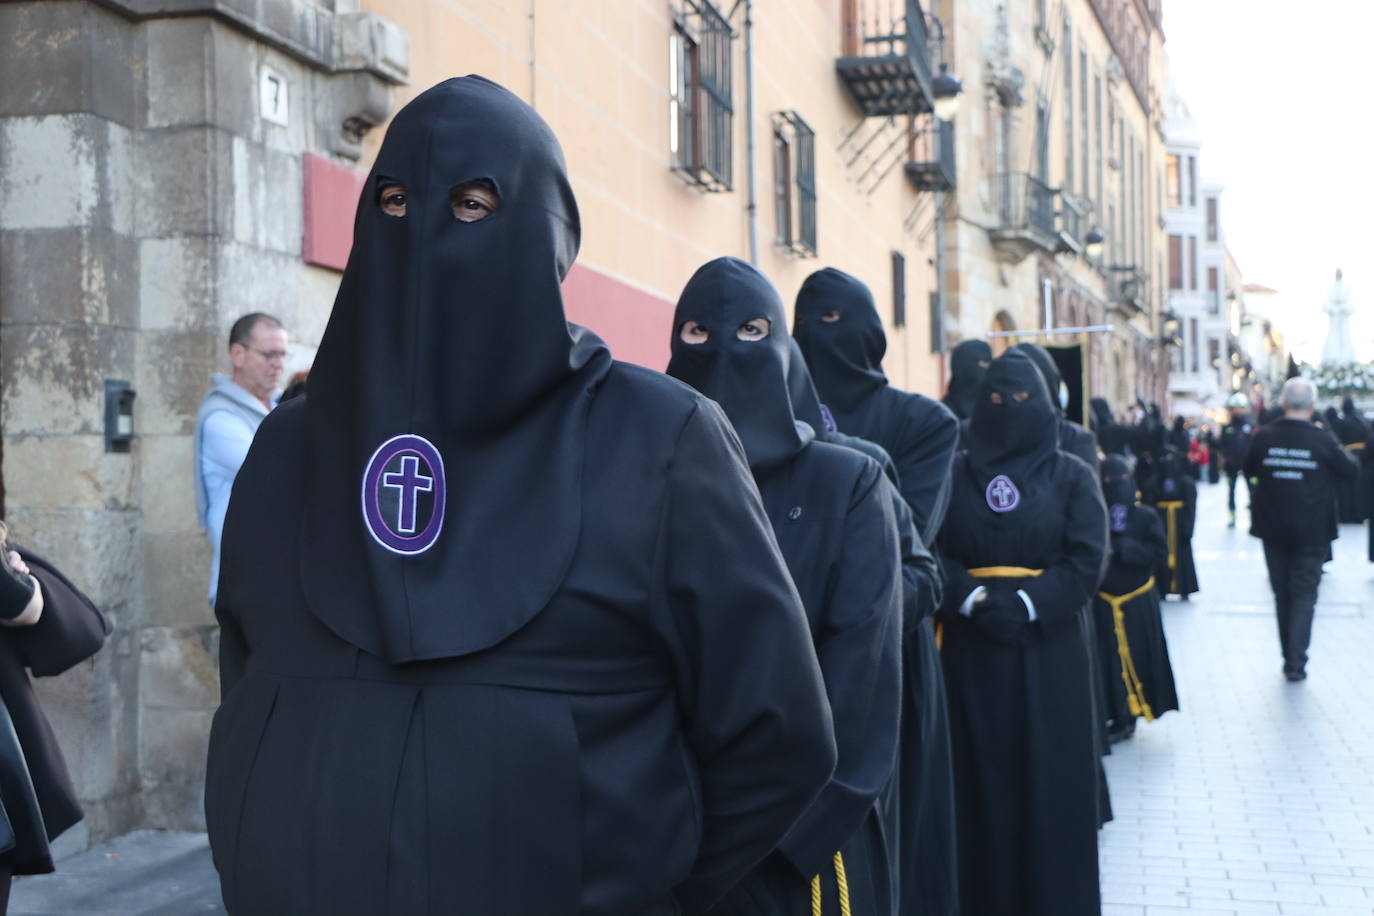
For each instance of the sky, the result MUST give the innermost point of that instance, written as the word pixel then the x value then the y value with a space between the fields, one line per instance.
pixel 1278 90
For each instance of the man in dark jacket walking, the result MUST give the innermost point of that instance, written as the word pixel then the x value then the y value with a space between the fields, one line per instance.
pixel 1294 467
pixel 1236 436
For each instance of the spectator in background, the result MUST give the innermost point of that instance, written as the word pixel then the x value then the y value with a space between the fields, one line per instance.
pixel 1294 467
pixel 1235 443
pixel 229 416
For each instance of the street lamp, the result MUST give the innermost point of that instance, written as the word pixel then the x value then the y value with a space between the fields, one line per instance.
pixel 1092 244
pixel 946 89
pixel 1169 327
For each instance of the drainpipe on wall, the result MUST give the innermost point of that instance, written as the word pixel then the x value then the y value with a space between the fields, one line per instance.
pixel 752 207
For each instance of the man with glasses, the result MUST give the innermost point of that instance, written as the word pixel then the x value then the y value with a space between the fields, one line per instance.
pixel 229 416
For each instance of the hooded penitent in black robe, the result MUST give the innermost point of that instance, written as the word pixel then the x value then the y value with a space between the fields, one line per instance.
pixel 1140 680
pixel 832 513
pixel 967 363
pixel 1023 516
pixel 1170 489
pixel 505 628
pixel 1073 438
pixel 919 807
pixel 1114 438
pixel 840 334
pixel 1352 430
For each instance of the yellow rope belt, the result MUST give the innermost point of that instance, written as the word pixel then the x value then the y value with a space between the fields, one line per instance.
pixel 1135 688
pixel 842 882
pixel 1171 507
pixel 989 572
pixel 1355 447
pixel 1004 572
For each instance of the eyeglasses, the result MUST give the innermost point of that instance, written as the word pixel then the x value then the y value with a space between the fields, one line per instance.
pixel 272 356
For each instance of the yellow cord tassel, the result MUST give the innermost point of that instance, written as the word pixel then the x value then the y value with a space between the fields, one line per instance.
pixel 1004 572
pixel 1171 508
pixel 841 881
pixel 1135 688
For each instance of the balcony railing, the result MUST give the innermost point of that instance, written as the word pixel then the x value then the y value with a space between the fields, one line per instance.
pixel 1130 289
pixel 885 57
pixel 1025 203
pixel 930 164
pixel 1073 222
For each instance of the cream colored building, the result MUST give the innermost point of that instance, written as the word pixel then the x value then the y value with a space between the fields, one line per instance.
pixel 613 80
pixel 1061 133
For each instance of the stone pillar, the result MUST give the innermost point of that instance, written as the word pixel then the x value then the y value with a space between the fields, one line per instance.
pixel 146 202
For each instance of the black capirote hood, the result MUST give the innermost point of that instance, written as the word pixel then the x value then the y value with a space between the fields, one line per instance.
pixel 967 363
pixel 447 407
pixel 1118 489
pixel 845 355
pixel 1013 438
pixel 1101 414
pixel 1049 371
pixel 747 378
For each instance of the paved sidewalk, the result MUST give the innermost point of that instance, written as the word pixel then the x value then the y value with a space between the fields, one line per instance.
pixel 1259 796
pixel 145 873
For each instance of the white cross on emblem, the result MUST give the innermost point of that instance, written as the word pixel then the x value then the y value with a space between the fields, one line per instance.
pixel 411 483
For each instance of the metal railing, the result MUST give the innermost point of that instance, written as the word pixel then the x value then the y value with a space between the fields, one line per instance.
pixel 930 159
pixel 1072 218
pixel 892 30
pixel 1024 202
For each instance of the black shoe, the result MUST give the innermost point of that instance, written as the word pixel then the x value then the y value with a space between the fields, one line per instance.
pixel 1294 676
pixel 1124 733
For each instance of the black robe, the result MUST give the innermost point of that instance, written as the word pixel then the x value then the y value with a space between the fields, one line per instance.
pixel 1352 431
pixel 919 804
pixel 842 550
pixel 1171 490
pixel 831 510
pixel 1026 760
pixel 652 733
pixel 1139 676
pixel 1020 692
pixel 552 661
pixel 35 785
pixel 921 435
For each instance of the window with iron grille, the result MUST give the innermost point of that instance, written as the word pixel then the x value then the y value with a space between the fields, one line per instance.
pixel 794 183
pixel 700 99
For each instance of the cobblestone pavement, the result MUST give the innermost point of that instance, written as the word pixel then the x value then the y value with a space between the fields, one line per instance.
pixel 1258 797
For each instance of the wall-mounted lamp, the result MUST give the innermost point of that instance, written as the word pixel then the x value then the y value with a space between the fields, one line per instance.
pixel 946 87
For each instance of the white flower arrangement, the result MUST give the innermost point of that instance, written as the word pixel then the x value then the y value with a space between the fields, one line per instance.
pixel 1341 380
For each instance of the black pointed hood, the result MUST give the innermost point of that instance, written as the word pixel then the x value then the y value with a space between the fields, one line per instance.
pixel 1118 489
pixel 1049 371
pixel 747 378
pixel 447 408
pixel 1101 414
pixel 967 363
pixel 845 355
pixel 1012 438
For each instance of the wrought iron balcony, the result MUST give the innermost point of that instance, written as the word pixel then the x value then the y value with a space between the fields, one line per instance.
pixel 1073 223
pixel 1026 216
pixel 1130 291
pixel 885 57
pixel 930 164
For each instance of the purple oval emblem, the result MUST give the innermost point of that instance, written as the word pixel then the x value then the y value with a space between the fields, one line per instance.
pixel 404 495
pixel 1002 494
pixel 1170 485
pixel 1118 513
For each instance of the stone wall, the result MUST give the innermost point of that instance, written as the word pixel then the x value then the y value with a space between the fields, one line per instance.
pixel 145 203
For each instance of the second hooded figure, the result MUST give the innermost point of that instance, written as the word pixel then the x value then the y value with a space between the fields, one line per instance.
pixel 833 519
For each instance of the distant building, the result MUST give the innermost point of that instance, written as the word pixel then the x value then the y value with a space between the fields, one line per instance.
pixel 1200 370
pixel 1060 139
